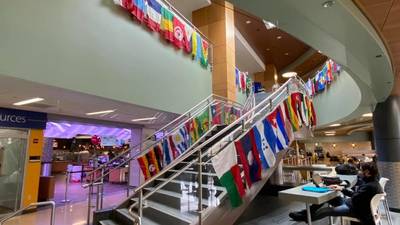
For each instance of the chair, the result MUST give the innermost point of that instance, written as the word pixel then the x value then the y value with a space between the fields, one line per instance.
pixel 383 182
pixel 375 201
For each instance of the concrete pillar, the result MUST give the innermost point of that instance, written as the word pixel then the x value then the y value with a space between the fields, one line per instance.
pixel 134 168
pixel 217 23
pixel 387 141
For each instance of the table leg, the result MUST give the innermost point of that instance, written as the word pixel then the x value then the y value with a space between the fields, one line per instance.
pixel 308 214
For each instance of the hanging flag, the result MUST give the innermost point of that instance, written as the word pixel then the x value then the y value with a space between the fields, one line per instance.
pixel 305 110
pixel 180 138
pixel 276 121
pixel 139 10
pixel 228 171
pixel 329 76
pixel 237 77
pixel 243 82
pixel 180 38
pixel 148 164
pixel 288 126
pixel 312 115
pixel 126 4
pixel 192 128
pixel 158 150
pixel 248 85
pixel 196 46
pixel 264 148
pixel 292 114
pixel 167 25
pixel 227 112
pixel 188 34
pixel 204 53
pixel 174 150
pixel 119 2
pixel 320 81
pixel 296 105
pixel 168 155
pixel 309 87
pixel 154 15
pixel 216 113
pixel 203 122
pixel 247 150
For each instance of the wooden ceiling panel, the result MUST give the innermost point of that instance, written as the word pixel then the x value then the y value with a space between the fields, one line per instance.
pixel 273 46
pixel 379 11
pixel 310 65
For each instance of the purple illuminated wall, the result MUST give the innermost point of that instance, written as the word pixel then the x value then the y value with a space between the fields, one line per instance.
pixel 70 130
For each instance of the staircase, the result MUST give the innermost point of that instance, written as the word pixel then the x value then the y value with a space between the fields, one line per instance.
pixel 187 191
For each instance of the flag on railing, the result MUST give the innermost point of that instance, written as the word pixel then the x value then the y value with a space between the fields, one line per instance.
pixel 216 113
pixel 276 120
pixel 168 155
pixel 180 139
pixel 149 164
pixel 167 26
pixel 196 46
pixel 139 10
pixel 180 39
pixel 246 148
pixel 154 15
pixel 192 128
pixel 288 126
pixel 188 34
pixel 203 122
pixel 204 53
pixel 261 135
pixel 228 171
pixel 292 114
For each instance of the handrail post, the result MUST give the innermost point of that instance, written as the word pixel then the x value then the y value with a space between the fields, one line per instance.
pixel 200 188
pixel 89 203
pixel 209 114
pixel 140 209
pixel 102 189
pixel 66 200
pixel 53 214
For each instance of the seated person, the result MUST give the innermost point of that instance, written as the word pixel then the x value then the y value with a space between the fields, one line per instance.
pixel 358 203
pixel 348 168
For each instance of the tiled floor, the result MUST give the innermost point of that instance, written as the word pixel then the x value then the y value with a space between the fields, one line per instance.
pixel 68 214
pixel 76 193
pixel 269 210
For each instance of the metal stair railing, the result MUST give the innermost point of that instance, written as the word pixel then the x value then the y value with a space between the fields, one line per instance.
pixel 246 121
pixel 165 130
pixel 149 143
pixel 52 214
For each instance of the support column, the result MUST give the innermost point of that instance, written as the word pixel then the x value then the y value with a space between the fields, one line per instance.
pixel 217 23
pixel 386 121
pixel 267 78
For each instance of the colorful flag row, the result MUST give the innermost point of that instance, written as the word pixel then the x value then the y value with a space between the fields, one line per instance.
pixel 175 144
pixel 243 81
pixel 323 78
pixel 159 18
pixel 257 148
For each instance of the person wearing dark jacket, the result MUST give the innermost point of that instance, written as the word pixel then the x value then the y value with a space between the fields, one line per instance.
pixel 358 203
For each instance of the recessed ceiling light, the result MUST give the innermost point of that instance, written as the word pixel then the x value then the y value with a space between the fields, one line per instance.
pixel 268 49
pixel 100 112
pixel 289 74
pixel 335 125
pixel 330 134
pixel 319 51
pixel 286 53
pixel 144 119
pixel 279 37
pixel 367 115
pixel 328 4
pixel 248 22
pixel 28 101
pixel 269 25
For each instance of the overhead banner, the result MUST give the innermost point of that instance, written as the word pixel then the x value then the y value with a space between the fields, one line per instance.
pixel 22 119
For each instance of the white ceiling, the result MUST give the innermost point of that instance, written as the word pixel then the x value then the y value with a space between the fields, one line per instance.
pixel 69 103
pixel 186 7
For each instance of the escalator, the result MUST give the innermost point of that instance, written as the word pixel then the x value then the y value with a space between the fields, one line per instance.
pixel 188 191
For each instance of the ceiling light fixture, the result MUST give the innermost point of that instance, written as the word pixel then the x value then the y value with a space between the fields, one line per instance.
pixel 335 125
pixel 100 112
pixel 28 101
pixel 269 25
pixel 286 53
pixel 289 74
pixel 144 119
pixel 330 134
pixel 248 22
pixel 367 115
pixel 328 4
pixel 319 51
pixel 279 37
pixel 268 49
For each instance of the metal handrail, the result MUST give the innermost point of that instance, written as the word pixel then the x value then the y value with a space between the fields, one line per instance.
pixel 187 114
pixel 242 120
pixel 52 216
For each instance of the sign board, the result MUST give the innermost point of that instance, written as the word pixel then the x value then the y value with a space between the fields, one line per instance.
pixel 22 119
pixel 109 141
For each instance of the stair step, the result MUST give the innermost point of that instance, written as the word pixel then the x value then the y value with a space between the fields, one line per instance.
pixel 108 222
pixel 168 215
pixel 180 186
pixel 122 215
pixel 175 200
pixel 145 220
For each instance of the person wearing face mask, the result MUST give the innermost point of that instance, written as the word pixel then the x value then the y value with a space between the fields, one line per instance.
pixel 357 203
